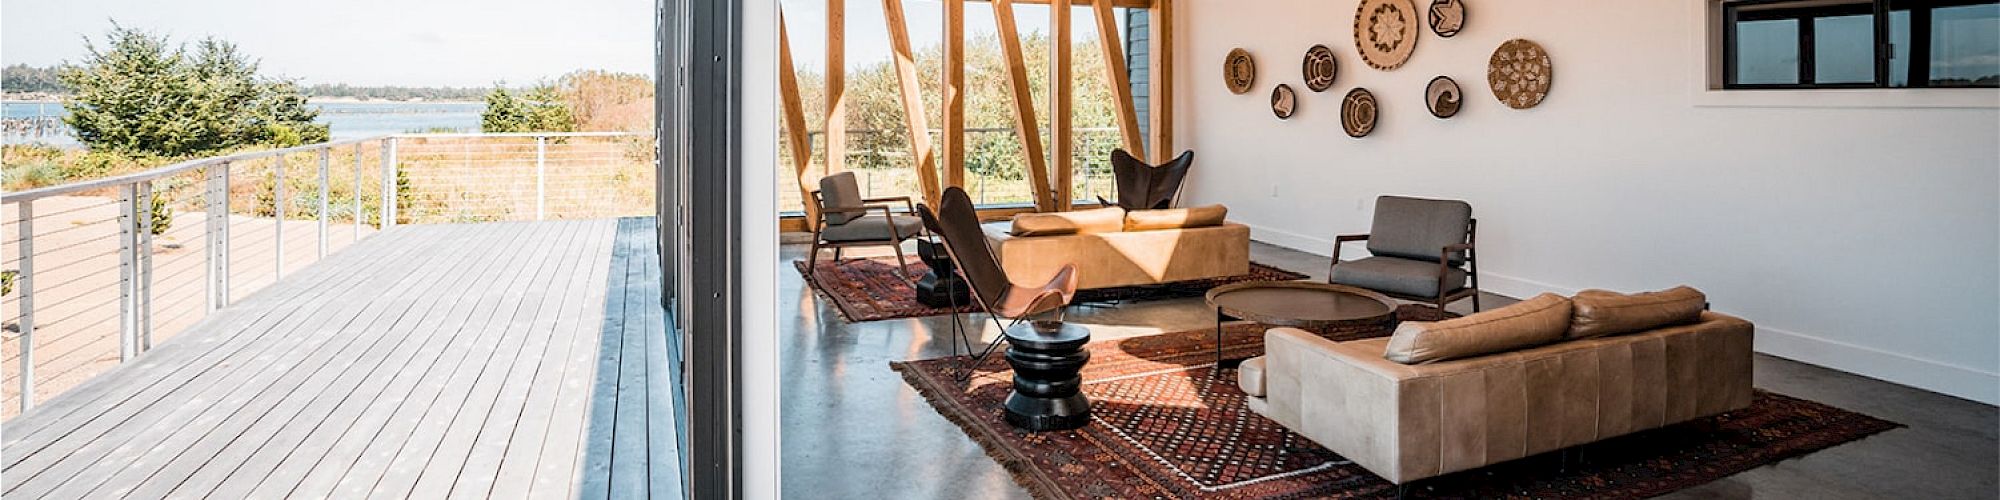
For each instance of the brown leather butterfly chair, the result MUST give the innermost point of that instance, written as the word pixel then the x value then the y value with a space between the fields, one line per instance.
pixel 958 223
pixel 1147 187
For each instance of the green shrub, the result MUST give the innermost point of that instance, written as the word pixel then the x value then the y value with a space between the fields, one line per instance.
pixel 138 93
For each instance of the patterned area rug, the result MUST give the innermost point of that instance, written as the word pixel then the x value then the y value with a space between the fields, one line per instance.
pixel 873 289
pixel 1162 429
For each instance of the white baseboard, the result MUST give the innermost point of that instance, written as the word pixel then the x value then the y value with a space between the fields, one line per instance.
pixel 1309 244
pixel 1943 378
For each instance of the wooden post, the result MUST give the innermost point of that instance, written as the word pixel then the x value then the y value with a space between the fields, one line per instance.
pixel 1162 106
pixel 836 86
pixel 913 101
pixel 795 121
pixel 1062 92
pixel 954 93
pixel 1024 104
pixel 1119 79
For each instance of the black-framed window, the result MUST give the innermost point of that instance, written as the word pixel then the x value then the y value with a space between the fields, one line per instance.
pixel 1806 44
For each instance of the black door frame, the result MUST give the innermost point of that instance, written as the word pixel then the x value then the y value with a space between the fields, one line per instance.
pixel 701 157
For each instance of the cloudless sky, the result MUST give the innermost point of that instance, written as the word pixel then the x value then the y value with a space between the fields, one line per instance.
pixel 361 42
pixel 454 42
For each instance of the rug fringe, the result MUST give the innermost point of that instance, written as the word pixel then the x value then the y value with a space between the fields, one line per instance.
pixel 1017 467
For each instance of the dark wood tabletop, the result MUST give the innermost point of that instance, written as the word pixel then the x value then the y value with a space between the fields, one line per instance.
pixel 1301 304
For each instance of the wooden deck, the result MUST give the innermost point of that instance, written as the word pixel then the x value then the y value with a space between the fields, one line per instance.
pixel 480 360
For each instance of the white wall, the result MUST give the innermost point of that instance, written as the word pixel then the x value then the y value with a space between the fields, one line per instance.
pixel 1866 239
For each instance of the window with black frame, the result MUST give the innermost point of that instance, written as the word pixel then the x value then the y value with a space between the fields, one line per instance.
pixel 1808 44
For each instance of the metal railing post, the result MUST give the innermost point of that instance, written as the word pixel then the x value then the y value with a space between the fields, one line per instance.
pixel 388 183
pixel 357 192
pixel 323 193
pixel 144 294
pixel 218 236
pixel 541 177
pixel 127 326
pixel 278 216
pixel 26 282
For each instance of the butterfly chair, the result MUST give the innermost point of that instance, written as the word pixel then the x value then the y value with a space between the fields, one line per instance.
pixel 1147 187
pixel 992 290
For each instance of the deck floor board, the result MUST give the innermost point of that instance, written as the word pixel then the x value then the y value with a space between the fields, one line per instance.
pixel 477 360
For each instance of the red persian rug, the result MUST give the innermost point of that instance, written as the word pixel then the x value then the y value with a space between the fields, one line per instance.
pixel 1161 428
pixel 872 289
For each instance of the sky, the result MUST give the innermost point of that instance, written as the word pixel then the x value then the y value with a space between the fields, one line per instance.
pixel 458 43
pixel 454 42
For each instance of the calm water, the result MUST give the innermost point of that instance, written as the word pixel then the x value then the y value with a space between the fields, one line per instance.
pixel 346 119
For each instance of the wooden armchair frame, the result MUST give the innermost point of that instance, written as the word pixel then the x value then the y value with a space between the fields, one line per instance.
pixel 895 240
pixel 1446 294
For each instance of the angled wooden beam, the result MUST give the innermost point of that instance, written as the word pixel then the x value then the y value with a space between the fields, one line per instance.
pixel 954 93
pixel 836 85
pixel 1132 4
pixel 1120 80
pixel 913 101
pixel 795 120
pixel 1062 115
pixel 1161 108
pixel 1024 104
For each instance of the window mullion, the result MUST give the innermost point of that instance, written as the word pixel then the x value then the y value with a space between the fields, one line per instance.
pixel 1920 46
pixel 1806 56
pixel 1883 52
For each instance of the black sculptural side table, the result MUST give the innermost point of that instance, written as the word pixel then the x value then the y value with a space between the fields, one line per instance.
pixel 942 286
pixel 1048 358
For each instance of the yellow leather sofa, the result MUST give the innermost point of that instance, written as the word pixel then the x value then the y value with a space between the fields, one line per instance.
pixel 1468 401
pixel 1111 247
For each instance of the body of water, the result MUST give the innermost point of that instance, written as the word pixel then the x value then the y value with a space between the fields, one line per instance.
pixel 41 122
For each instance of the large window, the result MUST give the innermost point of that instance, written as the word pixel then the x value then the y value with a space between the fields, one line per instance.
pixel 1792 44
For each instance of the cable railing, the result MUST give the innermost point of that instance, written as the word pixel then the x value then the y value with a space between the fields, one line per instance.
pixel 995 175
pixel 107 268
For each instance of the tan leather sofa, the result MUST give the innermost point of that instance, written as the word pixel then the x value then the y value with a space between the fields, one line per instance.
pixel 1113 248
pixel 1407 422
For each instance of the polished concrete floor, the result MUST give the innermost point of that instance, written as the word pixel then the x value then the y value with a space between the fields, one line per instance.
pixel 853 429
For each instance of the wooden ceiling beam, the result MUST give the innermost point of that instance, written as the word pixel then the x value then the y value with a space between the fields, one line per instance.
pixel 1063 97
pixel 795 120
pixel 1161 108
pixel 953 93
pixel 1025 120
pixel 836 86
pixel 1119 78
pixel 913 101
pixel 1133 4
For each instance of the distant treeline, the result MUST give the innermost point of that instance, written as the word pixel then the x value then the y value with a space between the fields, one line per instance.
pixel 394 93
pixel 25 78
pixel 22 78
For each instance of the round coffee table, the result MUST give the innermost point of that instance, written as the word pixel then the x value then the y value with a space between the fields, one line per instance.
pixel 1298 304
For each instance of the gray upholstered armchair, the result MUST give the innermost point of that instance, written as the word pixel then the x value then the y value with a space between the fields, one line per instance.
pixel 846 220
pixel 1422 250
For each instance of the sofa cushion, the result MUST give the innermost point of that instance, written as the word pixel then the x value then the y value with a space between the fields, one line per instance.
pixel 1603 312
pixel 1175 218
pixel 873 228
pixel 1397 275
pixel 1417 228
pixel 1097 220
pixel 840 190
pixel 1525 324
pixel 1250 376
